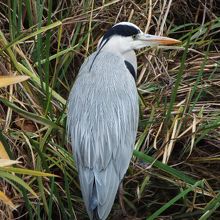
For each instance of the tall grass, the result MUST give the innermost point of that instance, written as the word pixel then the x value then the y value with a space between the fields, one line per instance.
pixel 175 169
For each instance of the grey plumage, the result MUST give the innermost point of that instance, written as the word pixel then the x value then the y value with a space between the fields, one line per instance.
pixel 102 116
pixel 103 119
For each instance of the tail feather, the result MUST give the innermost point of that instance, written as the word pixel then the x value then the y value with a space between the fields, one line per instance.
pixel 93 202
pixel 95 214
pixel 99 189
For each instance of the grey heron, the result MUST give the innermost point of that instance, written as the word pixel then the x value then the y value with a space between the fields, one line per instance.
pixel 103 113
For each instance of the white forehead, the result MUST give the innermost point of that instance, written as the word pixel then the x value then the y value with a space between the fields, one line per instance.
pixel 127 23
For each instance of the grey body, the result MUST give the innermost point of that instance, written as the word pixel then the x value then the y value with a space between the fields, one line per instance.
pixel 102 122
pixel 103 114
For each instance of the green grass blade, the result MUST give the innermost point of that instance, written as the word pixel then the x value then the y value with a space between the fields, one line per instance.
pixel 69 202
pixel 6 175
pixel 175 173
pixel 177 83
pixel 175 199
pixel 50 206
pixel 29 12
pixel 26 171
pixel 57 55
pixel 210 208
pixel 29 115
pixel 35 33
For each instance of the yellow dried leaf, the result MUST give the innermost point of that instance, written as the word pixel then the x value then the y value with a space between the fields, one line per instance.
pixel 9 80
pixel 6 200
pixel 6 163
pixel 3 153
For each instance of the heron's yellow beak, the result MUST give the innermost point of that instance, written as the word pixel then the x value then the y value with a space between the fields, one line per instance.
pixel 157 40
pixel 164 40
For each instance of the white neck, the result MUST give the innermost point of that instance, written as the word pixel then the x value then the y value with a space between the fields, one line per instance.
pixel 117 46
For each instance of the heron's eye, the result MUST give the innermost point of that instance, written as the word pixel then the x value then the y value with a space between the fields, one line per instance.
pixel 134 37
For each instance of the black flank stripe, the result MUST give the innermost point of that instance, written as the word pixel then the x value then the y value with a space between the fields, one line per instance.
pixel 131 69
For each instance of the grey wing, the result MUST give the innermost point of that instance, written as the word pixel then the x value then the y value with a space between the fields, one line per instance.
pixel 102 122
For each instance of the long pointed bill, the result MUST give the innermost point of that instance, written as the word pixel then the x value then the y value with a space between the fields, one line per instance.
pixel 157 40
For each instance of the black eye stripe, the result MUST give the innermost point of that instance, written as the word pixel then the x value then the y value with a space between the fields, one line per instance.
pixel 120 30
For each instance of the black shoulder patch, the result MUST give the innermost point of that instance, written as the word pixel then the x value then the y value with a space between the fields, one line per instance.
pixel 131 69
pixel 120 30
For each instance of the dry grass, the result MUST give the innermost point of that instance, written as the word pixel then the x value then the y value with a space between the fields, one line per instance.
pixel 180 106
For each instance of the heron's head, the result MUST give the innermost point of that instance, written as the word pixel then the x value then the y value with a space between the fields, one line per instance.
pixel 126 36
